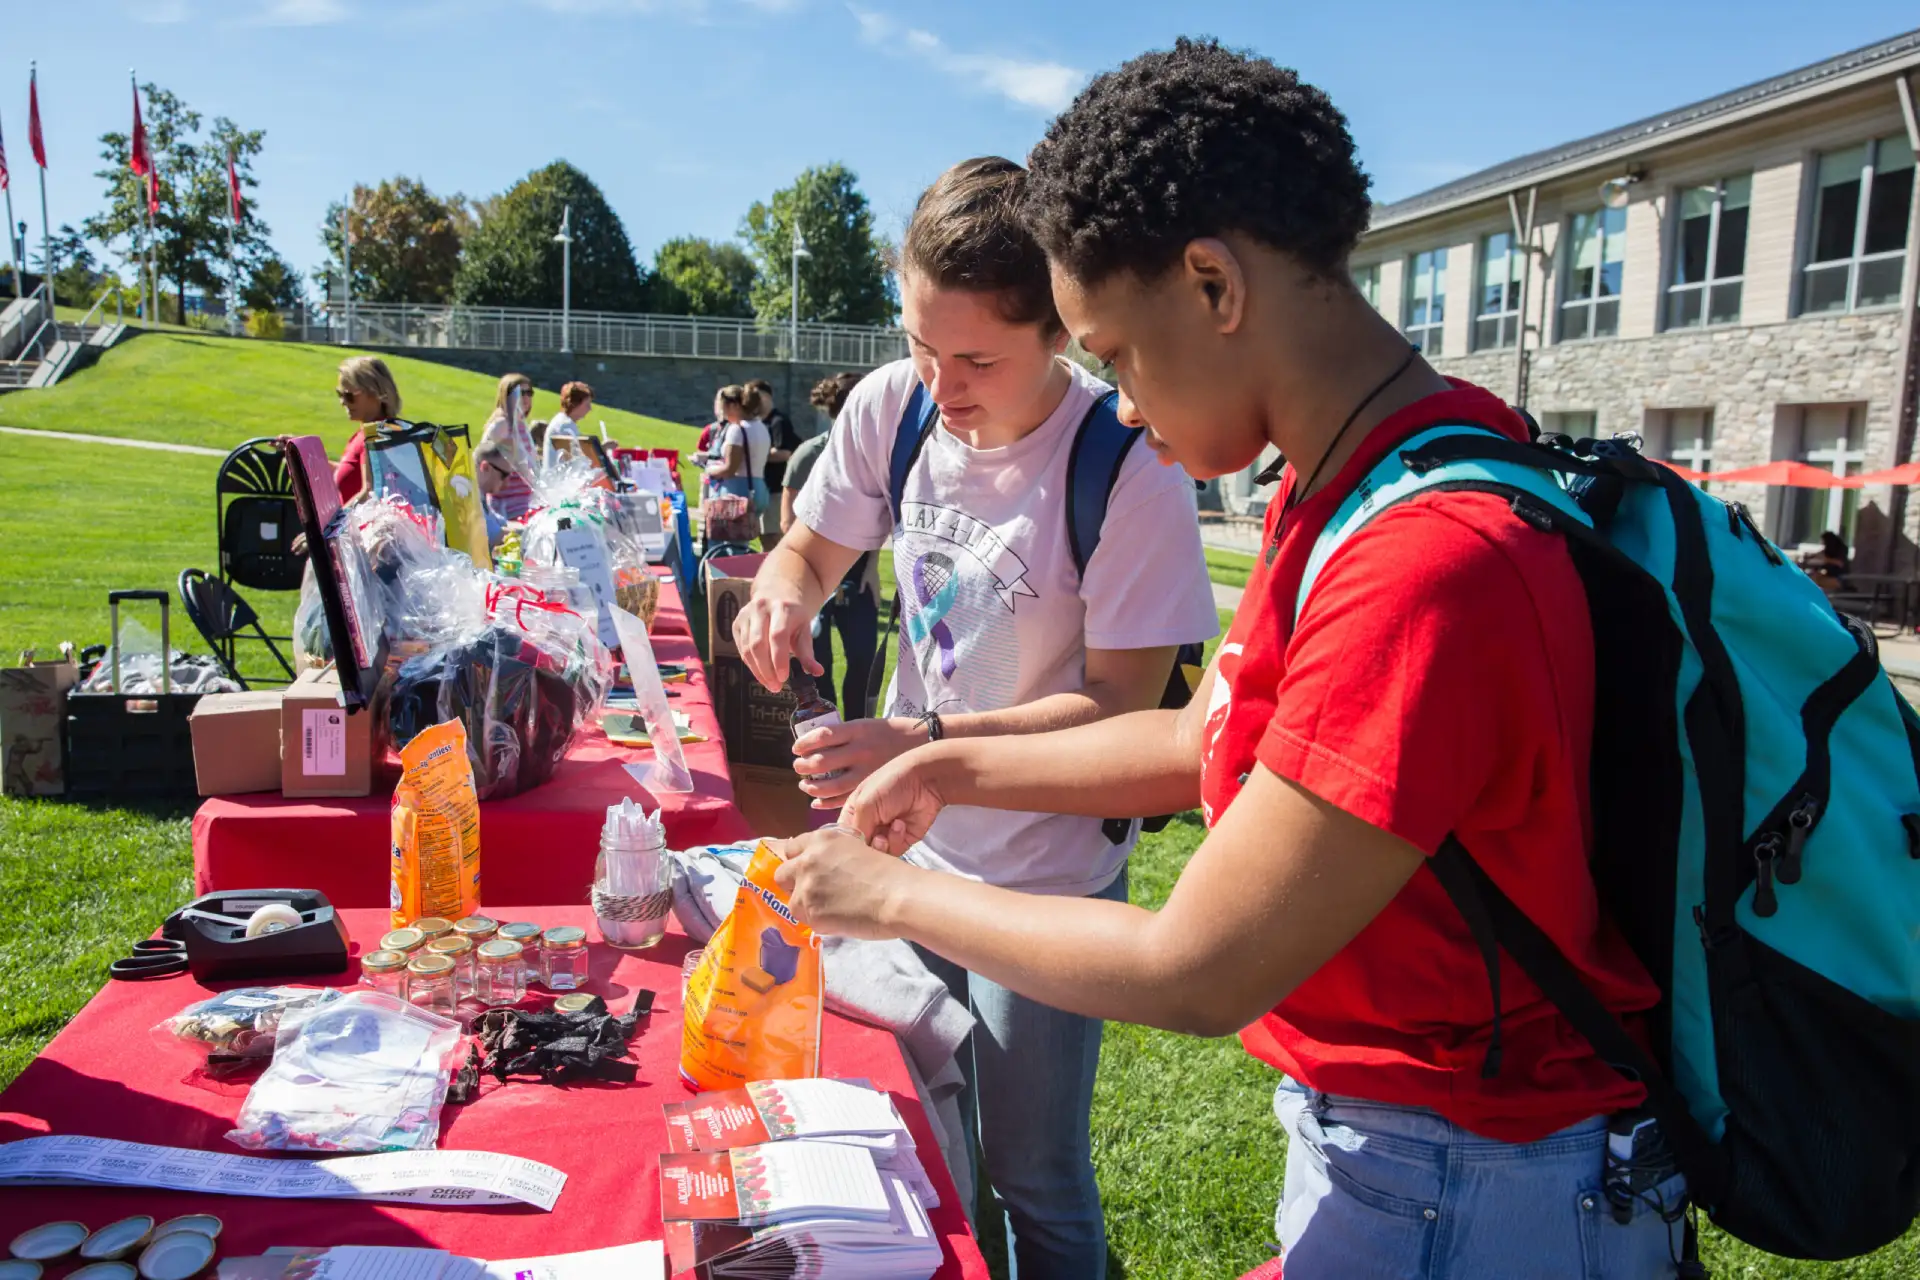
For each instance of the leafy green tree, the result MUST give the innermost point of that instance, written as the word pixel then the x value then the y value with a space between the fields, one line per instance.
pixel 406 241
pixel 190 230
pixel 844 277
pixel 78 279
pixel 273 285
pixel 696 277
pixel 512 260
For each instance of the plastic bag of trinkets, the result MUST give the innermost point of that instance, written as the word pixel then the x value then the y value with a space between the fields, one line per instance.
pixel 236 1028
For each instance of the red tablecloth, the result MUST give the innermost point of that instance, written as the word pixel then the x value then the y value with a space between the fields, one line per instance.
pixel 103 1077
pixel 538 846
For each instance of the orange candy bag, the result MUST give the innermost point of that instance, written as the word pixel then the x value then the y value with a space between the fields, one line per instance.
pixel 754 1001
pixel 436 829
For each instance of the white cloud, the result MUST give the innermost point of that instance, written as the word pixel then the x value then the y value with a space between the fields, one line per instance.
pixel 1045 86
pixel 302 13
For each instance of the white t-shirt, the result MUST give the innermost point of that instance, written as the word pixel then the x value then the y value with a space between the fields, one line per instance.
pixel 753 436
pixel 992 612
pixel 559 427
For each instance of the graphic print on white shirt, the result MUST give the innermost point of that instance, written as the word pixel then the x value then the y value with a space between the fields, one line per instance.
pixel 960 586
pixel 993 612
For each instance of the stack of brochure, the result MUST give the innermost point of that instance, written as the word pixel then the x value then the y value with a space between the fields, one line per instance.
pixel 793 1209
pixel 848 1112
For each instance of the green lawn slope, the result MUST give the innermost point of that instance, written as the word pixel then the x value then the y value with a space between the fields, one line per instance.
pixel 214 391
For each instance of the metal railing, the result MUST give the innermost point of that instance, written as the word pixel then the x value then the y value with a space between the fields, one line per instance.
pixel 390 324
pixel 45 294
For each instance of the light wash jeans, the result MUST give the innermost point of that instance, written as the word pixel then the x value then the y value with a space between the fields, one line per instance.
pixel 1030 1070
pixel 1386 1192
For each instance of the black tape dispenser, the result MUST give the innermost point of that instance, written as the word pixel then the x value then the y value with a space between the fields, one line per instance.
pixel 259 933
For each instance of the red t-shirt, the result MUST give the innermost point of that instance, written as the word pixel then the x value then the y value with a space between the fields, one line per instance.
pixel 346 473
pixel 1441 680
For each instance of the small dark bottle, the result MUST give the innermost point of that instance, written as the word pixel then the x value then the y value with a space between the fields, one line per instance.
pixel 811 711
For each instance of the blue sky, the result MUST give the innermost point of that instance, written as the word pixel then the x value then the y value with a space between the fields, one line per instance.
pixel 686 111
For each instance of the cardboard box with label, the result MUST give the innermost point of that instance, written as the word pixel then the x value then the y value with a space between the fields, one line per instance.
pixel 33 699
pixel 757 725
pixel 323 750
pixel 236 742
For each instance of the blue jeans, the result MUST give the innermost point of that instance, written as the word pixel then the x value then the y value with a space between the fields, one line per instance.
pixel 1383 1191
pixel 1029 1070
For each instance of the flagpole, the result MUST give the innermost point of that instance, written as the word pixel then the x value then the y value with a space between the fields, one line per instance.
pixel 46 231
pixel 13 246
pixel 233 270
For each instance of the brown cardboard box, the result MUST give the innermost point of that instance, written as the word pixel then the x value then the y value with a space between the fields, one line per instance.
pixel 758 725
pixel 33 699
pixel 236 742
pixel 323 750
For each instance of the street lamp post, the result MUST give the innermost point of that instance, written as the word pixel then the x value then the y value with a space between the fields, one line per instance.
pixel 565 241
pixel 793 322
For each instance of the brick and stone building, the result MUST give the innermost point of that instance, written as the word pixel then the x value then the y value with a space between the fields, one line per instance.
pixel 1733 281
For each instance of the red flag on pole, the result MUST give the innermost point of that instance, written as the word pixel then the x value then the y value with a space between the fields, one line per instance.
pixel 37 143
pixel 6 179
pixel 233 188
pixel 153 191
pixel 141 161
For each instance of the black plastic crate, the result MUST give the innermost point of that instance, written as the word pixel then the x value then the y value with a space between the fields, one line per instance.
pixel 135 746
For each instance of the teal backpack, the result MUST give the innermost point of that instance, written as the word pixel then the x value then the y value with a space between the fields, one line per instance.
pixel 1756 808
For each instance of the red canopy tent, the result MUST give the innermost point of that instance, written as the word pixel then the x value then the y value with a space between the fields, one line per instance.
pixel 1904 474
pixel 1798 475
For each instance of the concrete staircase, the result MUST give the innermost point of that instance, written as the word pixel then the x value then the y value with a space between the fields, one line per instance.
pixel 73 346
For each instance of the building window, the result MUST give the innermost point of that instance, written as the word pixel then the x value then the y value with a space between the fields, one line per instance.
pixel 1683 437
pixel 1831 437
pixel 1367 280
pixel 1859 245
pixel 1710 257
pixel 1578 423
pixel 1427 300
pixel 1496 321
pixel 1596 255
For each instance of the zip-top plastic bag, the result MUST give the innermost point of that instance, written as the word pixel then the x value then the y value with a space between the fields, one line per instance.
pixel 754 1002
pixel 367 1072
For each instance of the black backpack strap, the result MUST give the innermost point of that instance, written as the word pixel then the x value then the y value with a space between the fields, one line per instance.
pixel 1454 869
pixel 1100 446
pixel 1479 898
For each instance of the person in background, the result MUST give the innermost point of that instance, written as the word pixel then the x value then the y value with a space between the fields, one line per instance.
pixel 513 448
pixel 740 467
pixel 576 401
pixel 1000 633
pixel 782 439
pixel 854 608
pixel 1828 566
pixel 495 473
pixel 368 395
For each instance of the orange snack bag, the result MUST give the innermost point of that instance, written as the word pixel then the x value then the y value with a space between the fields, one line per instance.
pixel 436 829
pixel 754 1001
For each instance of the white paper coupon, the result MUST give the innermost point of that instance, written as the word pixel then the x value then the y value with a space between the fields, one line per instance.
pixel 323 743
pixel 447 1178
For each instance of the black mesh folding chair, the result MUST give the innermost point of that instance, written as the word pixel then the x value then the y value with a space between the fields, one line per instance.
pixel 223 619
pixel 255 523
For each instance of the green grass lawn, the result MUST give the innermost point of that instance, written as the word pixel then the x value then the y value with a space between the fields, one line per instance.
pixel 1229 568
pixel 1188 1154
pixel 205 389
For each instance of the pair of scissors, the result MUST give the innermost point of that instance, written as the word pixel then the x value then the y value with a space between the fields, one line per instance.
pixel 151 958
